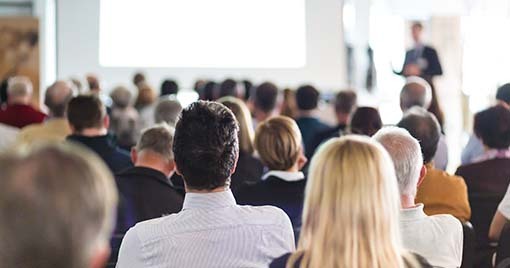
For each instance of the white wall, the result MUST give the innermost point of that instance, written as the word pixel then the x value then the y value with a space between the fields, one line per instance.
pixel 78 45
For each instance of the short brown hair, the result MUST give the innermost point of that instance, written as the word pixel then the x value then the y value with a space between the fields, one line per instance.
pixel 85 111
pixel 278 142
pixel 345 101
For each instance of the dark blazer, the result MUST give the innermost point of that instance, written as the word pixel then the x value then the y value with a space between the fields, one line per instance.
pixel 281 262
pixel 249 170
pixel 309 127
pixel 145 193
pixel 274 191
pixel 490 176
pixel 429 57
pixel 105 146
pixel 325 135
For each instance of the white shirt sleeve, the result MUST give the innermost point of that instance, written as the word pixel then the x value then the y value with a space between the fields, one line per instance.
pixel 504 206
pixel 130 253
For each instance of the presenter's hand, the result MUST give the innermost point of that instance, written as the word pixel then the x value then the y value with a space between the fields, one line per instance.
pixel 412 70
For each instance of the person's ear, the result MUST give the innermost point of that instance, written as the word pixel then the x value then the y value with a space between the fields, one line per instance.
pixel 423 173
pixel 176 168
pixel 235 165
pixel 106 122
pixel 100 257
pixel 134 155
pixel 302 160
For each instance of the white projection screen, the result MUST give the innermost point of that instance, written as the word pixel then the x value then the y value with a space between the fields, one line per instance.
pixel 289 42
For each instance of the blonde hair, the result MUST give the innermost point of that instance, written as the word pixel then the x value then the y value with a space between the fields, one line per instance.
pixel 278 142
pixel 351 210
pixel 243 116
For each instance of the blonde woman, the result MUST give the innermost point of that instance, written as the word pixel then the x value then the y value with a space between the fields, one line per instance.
pixel 249 168
pixel 351 210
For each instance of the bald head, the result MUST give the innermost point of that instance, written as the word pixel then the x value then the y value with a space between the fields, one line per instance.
pixel 57 96
pixel 416 92
pixel 19 90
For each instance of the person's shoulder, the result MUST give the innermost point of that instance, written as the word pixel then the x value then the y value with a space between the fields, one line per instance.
pixel 445 177
pixel 446 222
pixel 263 215
pixel 153 227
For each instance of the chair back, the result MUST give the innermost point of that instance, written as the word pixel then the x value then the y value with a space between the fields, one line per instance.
pixel 468 249
pixel 483 207
pixel 503 251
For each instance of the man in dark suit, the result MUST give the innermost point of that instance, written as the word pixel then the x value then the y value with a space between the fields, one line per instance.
pixel 145 189
pixel 421 60
pixel 89 127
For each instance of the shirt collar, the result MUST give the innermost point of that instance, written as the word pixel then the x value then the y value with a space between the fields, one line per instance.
pixel 209 200
pixel 414 213
pixel 493 153
pixel 285 175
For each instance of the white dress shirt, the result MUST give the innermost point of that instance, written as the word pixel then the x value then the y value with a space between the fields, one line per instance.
pixel 210 231
pixel 437 238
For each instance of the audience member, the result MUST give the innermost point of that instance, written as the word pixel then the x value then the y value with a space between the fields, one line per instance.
pixel 249 169
pixel 350 216
pixel 278 142
pixel 211 230
pixel 440 192
pixel 264 101
pixel 307 98
pixel 57 208
pixel 490 172
pixel 56 127
pixel 248 85
pixel 89 126
pixel 289 105
pixel 229 87
pixel 19 113
pixel 365 121
pixel 438 238
pixel 95 88
pixel 144 104
pixel 209 91
pixel 124 119
pixel 167 110
pixel 474 148
pixel 417 92
pixel 139 79
pixel 345 104
pixel 169 87
pixel 145 189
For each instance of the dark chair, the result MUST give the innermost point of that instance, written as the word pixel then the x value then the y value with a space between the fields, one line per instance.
pixel 115 246
pixel 503 251
pixel 468 249
pixel 483 207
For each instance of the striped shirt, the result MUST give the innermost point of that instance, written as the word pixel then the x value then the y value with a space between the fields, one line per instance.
pixel 210 231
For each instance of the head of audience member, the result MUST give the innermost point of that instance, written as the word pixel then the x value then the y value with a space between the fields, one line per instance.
pixel 407 158
pixel 415 92
pixel 307 98
pixel 492 126
pixel 121 97
pixel 198 85
pixel 345 104
pixel 139 78
pixel 87 116
pixel 167 111
pixel 154 149
pixel 243 116
pixel 93 83
pixel 229 87
pixel 279 144
pixel 206 146
pixel 208 91
pixel 57 97
pixel 351 207
pixel 77 84
pixel 264 99
pixel 416 30
pixel 124 125
pixel 169 87
pixel 365 121
pixel 19 90
pixel 33 191
pixel 289 106
pixel 247 84
pixel 423 126
pixel 146 96
pixel 503 95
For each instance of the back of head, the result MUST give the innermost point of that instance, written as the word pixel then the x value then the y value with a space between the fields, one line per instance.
pixel 167 110
pixel 492 126
pixel 121 97
pixel 85 111
pixel 424 127
pixel 265 97
pixel 228 88
pixel 416 92
pixel 345 101
pixel 57 97
pixel 366 121
pixel 351 208
pixel 138 78
pixel 208 91
pixel 93 82
pixel 406 154
pixel 206 145
pixel 57 206
pixel 146 95
pixel 243 116
pixel 307 98
pixel 19 87
pixel 503 93
pixel 158 139
pixel 247 89
pixel 169 87
pixel 278 142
